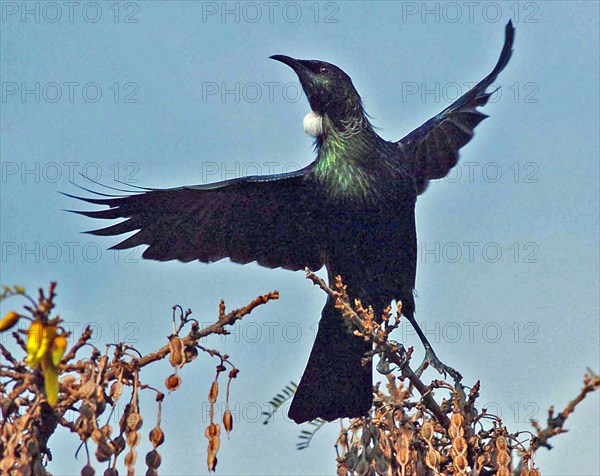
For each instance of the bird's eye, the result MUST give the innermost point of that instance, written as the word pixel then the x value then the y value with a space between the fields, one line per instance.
pixel 324 70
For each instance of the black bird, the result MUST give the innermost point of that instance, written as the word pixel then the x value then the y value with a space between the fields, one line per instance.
pixel 352 210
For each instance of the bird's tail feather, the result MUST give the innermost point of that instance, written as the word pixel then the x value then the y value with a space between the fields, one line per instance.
pixel 335 384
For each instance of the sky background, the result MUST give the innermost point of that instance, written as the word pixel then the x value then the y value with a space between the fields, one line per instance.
pixel 163 94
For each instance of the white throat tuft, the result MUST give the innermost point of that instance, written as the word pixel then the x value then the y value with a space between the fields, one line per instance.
pixel 313 124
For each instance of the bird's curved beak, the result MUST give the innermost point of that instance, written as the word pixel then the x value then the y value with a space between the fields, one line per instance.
pixel 296 64
pixel 305 75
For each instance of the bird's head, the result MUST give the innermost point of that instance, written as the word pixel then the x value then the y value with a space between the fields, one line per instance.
pixel 330 93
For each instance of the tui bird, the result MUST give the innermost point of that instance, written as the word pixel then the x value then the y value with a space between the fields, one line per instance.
pixel 351 210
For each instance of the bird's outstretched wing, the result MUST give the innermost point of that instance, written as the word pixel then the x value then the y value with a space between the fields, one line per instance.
pixel 432 149
pixel 273 220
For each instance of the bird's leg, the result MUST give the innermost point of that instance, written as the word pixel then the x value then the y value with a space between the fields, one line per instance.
pixel 430 357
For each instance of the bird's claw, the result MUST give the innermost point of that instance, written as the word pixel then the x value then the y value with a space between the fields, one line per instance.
pixel 383 366
pixel 436 363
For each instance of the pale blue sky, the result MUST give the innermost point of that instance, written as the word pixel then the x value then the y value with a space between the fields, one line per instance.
pixel 526 324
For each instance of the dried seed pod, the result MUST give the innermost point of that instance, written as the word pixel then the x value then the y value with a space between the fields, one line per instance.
pixel 214 392
pixel 362 467
pixel 153 459
pixel 87 389
pixel 87 409
pixel 228 422
pixel 503 459
pixel 460 462
pixel 366 437
pixel 191 352
pixel 176 354
pixel 157 436
pixel 211 461
pixel 173 382
pixel 106 430
pixel 133 438
pixel 426 431
pixel 100 406
pixel 212 430
pixel 130 459
pixel 119 443
pixel 104 452
pixel 111 472
pixel 432 459
pixel 116 389
pixel 459 445
pixel 151 472
pixel 134 421
pixel 97 436
pixel 87 470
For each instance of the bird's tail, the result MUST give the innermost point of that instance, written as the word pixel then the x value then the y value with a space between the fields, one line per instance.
pixel 335 384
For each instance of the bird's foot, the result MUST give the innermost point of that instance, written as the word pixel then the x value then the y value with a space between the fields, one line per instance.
pixel 383 366
pixel 436 363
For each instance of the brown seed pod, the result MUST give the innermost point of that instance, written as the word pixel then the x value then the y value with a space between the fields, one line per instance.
pixel 157 436
pixel 133 438
pixel 501 443
pixel 106 430
pixel 459 445
pixel 134 421
pixel 173 382
pixel 104 452
pixel 119 443
pixel 214 391
pixel 153 459
pixel 87 389
pixel 426 431
pixel 176 354
pixel 191 353
pixel 227 422
pixel 87 409
pixel 131 458
pixel 87 470
pixel 116 389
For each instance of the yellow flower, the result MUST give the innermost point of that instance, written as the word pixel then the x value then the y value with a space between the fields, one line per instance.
pixel 34 341
pixel 50 373
pixel 9 320
pixel 39 340
pixel 59 344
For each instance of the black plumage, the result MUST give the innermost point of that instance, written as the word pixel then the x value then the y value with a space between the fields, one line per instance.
pixel 351 210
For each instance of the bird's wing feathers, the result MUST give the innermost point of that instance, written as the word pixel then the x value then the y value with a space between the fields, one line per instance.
pixel 432 149
pixel 273 220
